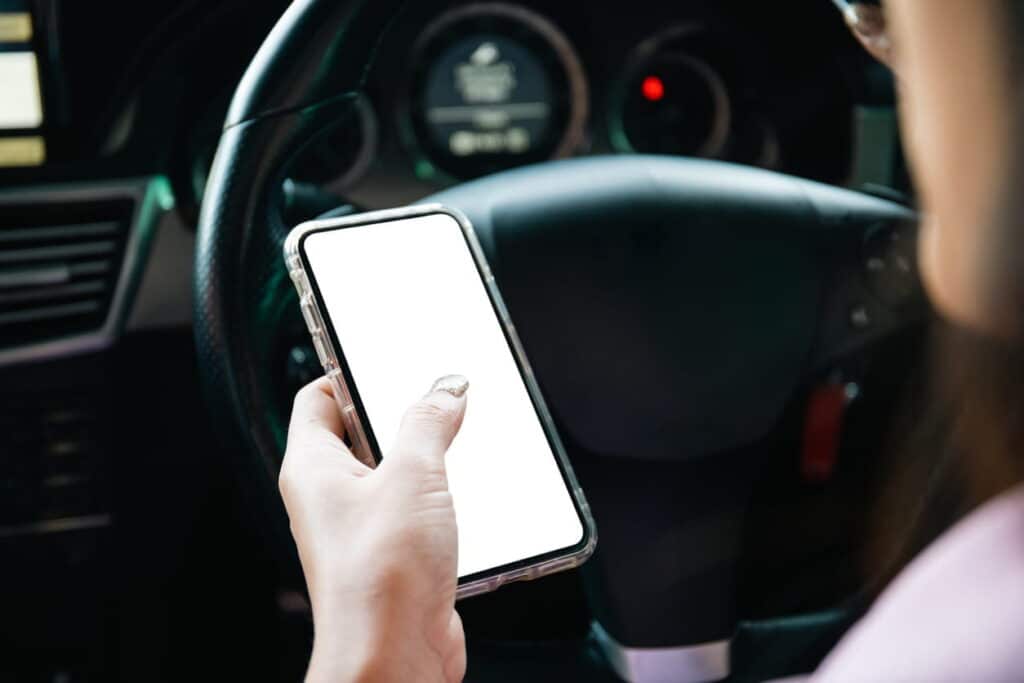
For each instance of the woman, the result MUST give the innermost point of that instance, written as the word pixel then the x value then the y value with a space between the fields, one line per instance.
pixel 954 612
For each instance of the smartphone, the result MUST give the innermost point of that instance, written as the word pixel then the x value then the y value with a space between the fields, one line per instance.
pixel 395 299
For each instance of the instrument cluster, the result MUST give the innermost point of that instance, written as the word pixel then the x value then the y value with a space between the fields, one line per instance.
pixel 484 87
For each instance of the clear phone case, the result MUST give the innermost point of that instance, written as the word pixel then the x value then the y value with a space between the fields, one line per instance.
pixel 329 358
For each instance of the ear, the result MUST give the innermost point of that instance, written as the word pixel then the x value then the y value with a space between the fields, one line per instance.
pixel 868 25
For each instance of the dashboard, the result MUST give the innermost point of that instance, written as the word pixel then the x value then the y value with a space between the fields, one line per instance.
pixel 463 90
pixel 458 90
pixel 108 118
pixel 21 91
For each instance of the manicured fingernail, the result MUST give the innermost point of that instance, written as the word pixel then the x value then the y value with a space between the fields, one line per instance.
pixel 456 385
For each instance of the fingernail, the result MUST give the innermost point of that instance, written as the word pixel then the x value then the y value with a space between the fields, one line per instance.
pixel 456 385
pixel 867 20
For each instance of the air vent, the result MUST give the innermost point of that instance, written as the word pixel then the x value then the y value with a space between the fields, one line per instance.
pixel 59 266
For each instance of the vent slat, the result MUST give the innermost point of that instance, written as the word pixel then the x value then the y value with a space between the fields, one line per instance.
pixel 49 313
pixel 60 259
pixel 53 293
pixel 44 275
pixel 89 268
pixel 50 274
pixel 64 251
pixel 58 232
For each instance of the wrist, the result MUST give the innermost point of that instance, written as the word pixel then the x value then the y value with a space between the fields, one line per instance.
pixel 348 645
pixel 344 661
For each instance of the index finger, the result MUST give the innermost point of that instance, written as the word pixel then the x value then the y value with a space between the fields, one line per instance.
pixel 316 430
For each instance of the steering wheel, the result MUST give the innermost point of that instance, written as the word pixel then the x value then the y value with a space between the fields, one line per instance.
pixel 671 308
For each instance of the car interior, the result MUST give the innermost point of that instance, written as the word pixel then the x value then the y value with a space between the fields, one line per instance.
pixel 697 212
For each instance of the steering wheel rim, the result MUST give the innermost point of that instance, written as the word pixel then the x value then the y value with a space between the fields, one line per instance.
pixel 306 76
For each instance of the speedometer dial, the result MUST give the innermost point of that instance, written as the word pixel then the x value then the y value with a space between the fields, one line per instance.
pixel 670 100
pixel 495 86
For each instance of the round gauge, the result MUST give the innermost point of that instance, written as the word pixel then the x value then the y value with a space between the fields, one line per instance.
pixel 670 102
pixel 495 86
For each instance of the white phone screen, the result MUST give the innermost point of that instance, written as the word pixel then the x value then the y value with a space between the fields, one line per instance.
pixel 408 305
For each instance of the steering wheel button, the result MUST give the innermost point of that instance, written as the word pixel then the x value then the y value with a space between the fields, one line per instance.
pixel 875 264
pixel 890 266
pixel 860 319
pixel 823 429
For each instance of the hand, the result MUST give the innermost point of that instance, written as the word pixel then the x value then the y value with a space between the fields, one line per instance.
pixel 378 546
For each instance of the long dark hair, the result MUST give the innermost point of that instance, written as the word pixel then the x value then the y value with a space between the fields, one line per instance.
pixel 959 443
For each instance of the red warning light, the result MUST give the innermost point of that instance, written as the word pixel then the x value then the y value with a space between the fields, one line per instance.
pixel 652 88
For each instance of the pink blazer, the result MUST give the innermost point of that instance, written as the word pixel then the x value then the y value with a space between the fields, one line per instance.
pixel 956 613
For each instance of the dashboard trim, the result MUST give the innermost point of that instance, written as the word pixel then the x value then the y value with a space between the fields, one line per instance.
pixel 684 664
pixel 54 526
pixel 152 198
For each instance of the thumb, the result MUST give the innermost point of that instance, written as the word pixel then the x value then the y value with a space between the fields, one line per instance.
pixel 430 424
